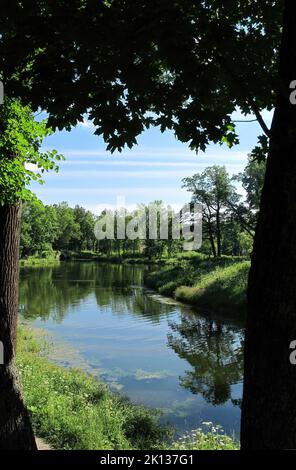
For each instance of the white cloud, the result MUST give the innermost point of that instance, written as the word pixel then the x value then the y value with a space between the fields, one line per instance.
pixel 157 153
pixel 153 193
pixel 141 174
pixel 86 124
pixel 123 173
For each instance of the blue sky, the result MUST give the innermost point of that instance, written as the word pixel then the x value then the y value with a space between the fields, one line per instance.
pixel 152 170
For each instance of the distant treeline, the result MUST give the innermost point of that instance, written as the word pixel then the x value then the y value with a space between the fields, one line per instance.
pixel 228 220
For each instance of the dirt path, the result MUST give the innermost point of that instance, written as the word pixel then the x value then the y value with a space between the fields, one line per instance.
pixel 42 445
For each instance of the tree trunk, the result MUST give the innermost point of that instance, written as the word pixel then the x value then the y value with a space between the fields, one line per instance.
pixel 15 428
pixel 218 232
pixel 269 411
pixel 212 241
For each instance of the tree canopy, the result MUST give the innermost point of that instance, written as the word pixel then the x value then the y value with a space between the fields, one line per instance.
pixel 21 137
pixel 131 65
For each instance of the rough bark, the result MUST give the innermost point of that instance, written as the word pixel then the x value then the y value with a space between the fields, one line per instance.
pixel 15 428
pixel 268 411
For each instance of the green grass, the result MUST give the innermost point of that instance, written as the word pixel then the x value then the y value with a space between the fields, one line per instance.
pixel 216 284
pixel 208 437
pixel 221 290
pixel 72 410
pixel 39 262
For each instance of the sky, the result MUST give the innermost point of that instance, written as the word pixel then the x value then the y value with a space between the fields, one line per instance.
pixel 152 170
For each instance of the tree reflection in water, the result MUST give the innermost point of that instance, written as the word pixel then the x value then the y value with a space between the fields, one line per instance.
pixel 215 353
pixel 53 293
pixel 213 350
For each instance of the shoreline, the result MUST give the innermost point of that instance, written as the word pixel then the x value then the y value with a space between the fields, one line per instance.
pixel 215 285
pixel 71 409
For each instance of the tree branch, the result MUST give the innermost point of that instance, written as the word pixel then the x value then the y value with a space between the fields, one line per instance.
pixel 259 117
pixel 245 120
pixel 249 98
pixel 245 225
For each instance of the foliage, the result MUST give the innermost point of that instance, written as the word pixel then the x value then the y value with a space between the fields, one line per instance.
pixel 227 222
pixel 55 227
pixel 252 180
pixel 213 189
pixel 39 228
pixel 161 63
pixel 85 220
pixel 260 151
pixel 68 229
pixel 20 141
pixel 208 437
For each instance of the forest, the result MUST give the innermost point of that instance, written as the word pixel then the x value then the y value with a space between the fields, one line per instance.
pixel 228 220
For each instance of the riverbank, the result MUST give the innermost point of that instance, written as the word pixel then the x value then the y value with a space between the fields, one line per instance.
pixel 32 261
pixel 115 258
pixel 72 410
pixel 215 284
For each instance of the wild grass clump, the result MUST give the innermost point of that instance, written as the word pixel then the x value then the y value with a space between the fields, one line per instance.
pixel 208 437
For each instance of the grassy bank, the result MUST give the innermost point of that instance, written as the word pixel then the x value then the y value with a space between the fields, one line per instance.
pixel 32 261
pixel 215 284
pixel 222 290
pixel 72 410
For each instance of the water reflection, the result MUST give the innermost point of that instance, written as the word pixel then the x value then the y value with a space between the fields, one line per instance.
pixel 53 292
pixel 215 353
pixel 157 352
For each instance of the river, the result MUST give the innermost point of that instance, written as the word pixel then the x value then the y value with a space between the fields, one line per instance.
pixel 151 349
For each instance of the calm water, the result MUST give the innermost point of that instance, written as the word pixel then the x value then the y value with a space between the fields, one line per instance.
pixel 155 351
